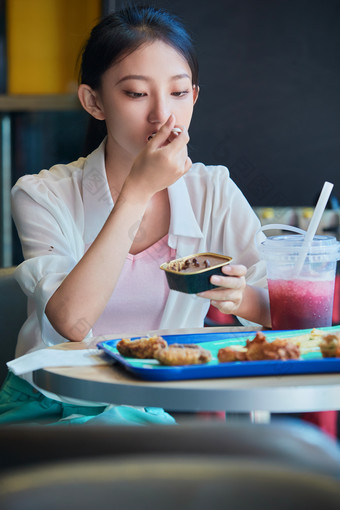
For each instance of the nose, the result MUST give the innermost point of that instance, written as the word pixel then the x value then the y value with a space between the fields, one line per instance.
pixel 159 111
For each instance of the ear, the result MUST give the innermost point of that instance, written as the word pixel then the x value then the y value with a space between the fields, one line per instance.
pixel 90 101
pixel 195 91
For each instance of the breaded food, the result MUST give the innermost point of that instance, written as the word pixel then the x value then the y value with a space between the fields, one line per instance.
pixel 330 346
pixel 254 348
pixel 280 349
pixel 259 349
pixel 178 354
pixel 184 346
pixel 141 347
pixel 227 354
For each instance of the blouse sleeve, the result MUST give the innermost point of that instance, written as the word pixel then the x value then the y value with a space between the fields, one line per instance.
pixel 51 242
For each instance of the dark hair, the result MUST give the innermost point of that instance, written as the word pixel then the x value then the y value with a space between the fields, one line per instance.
pixel 120 33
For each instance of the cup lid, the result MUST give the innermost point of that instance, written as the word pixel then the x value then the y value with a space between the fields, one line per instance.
pixel 324 247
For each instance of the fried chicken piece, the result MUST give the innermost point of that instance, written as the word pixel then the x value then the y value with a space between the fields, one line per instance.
pixel 330 346
pixel 259 349
pixel 280 349
pixel 141 347
pixel 226 354
pixel 183 355
pixel 185 346
pixel 255 347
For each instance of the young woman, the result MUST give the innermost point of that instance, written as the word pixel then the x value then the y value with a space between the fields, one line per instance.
pixel 94 232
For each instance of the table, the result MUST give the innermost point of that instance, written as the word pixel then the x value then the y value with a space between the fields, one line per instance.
pixel 258 396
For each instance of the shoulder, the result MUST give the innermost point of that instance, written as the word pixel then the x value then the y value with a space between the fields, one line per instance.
pixel 213 184
pixel 61 180
pixel 208 172
pixel 215 178
pixel 50 178
pixel 51 191
pixel 61 184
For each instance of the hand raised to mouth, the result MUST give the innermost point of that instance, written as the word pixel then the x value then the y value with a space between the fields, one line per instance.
pixel 175 131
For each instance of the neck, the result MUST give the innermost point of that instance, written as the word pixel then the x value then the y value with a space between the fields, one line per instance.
pixel 118 165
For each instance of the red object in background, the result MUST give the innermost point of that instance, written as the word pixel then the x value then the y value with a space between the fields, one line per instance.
pixel 208 416
pixel 220 319
pixel 325 420
pixel 336 305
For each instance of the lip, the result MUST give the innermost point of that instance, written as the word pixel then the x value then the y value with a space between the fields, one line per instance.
pixel 151 136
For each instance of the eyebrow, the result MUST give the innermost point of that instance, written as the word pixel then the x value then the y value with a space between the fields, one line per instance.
pixel 145 78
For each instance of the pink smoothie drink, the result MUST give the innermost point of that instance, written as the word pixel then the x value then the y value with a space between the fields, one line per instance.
pixel 301 304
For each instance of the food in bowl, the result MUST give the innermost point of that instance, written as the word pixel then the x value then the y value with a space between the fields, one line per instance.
pixel 191 274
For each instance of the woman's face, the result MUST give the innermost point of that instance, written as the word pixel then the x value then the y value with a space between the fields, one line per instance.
pixel 138 94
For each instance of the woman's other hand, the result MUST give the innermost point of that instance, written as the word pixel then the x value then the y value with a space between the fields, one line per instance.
pixel 228 297
pixel 234 296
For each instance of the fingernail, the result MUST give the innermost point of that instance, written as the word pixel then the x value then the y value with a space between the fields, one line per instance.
pixel 215 279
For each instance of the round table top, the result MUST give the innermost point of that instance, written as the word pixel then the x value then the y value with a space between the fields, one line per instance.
pixel 113 384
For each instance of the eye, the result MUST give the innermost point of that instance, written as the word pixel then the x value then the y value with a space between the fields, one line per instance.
pixel 134 95
pixel 180 93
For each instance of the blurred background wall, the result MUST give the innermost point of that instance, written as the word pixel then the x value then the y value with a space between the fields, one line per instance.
pixel 269 106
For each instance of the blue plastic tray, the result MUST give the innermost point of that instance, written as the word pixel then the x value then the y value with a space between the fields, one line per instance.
pixel 150 369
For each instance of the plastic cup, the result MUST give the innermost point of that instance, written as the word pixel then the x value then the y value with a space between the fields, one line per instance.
pixel 303 300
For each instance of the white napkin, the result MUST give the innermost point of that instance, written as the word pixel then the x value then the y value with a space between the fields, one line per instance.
pixel 57 358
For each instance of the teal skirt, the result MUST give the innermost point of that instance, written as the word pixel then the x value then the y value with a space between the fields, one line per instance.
pixel 22 403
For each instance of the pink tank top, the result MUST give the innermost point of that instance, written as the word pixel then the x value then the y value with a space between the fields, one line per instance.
pixel 138 301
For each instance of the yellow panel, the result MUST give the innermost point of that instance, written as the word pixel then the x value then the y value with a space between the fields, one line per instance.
pixel 44 38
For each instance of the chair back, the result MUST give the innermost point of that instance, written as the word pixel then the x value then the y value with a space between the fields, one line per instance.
pixel 13 313
pixel 167 482
pixel 291 443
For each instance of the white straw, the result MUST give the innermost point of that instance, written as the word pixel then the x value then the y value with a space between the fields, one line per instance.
pixel 313 225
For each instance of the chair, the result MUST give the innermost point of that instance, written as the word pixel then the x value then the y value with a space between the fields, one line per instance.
pixel 13 313
pixel 168 482
pixel 294 444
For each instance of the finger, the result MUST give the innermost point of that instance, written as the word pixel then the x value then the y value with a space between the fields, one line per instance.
pixel 232 282
pixel 163 134
pixel 225 307
pixel 174 134
pixel 221 294
pixel 234 270
pixel 180 139
pixel 226 295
